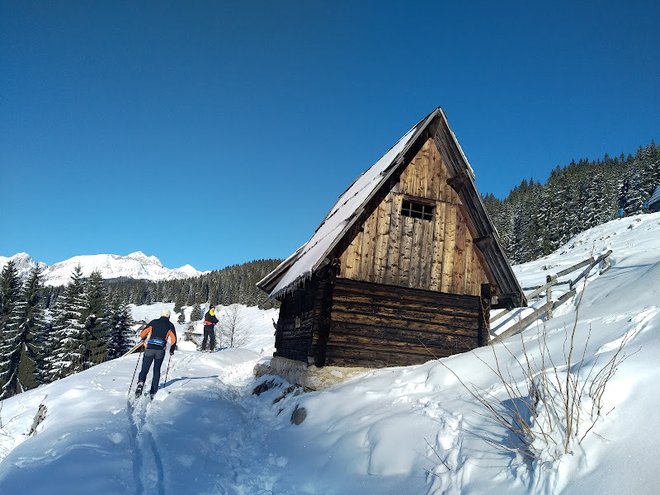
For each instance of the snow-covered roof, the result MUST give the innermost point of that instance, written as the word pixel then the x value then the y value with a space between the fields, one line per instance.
pixel 310 256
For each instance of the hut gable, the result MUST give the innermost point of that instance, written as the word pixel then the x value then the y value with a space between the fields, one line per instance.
pixel 404 268
pixel 440 173
pixel 418 235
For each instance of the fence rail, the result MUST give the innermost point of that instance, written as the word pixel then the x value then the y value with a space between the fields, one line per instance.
pixel 547 308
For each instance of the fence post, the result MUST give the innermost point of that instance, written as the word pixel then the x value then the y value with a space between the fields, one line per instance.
pixel 548 295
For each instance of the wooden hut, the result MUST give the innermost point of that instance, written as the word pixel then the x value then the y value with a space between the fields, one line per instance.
pixel 403 269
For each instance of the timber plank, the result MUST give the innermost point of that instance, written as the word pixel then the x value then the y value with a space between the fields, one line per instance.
pixel 375 304
pixel 405 243
pixel 348 287
pixel 367 253
pixel 351 329
pixel 364 303
pixel 426 259
pixel 439 314
pixel 438 247
pixel 394 243
pixel 382 239
pixel 448 252
pixel 415 252
pixel 458 275
pixel 403 324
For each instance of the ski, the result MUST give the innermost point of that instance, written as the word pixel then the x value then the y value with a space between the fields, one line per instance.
pixel 134 349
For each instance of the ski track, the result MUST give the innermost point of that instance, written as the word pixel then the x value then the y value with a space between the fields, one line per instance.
pixel 144 449
pixel 158 461
pixel 136 451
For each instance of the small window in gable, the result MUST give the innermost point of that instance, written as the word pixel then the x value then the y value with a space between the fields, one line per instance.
pixel 416 209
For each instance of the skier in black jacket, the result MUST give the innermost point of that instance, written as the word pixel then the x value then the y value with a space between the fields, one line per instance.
pixel 209 328
pixel 155 337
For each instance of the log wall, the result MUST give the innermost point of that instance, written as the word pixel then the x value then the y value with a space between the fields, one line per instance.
pixel 377 325
pixel 437 254
pixel 304 320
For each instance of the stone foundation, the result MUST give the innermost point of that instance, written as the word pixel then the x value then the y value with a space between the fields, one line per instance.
pixel 308 377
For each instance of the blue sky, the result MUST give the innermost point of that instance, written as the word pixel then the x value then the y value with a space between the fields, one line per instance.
pixel 215 133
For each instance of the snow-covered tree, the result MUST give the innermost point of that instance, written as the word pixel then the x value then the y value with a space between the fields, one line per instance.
pixel 68 355
pixel 10 288
pixel 121 334
pixel 27 338
pixel 95 317
pixel 196 313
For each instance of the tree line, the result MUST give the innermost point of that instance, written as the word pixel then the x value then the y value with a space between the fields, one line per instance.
pixel 48 333
pixel 83 327
pixel 535 219
pixel 232 284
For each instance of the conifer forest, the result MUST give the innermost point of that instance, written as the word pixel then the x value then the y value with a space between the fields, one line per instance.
pixel 535 219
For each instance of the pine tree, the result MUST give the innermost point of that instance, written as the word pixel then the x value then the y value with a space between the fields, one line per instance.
pixel 26 364
pixel 94 315
pixel 196 313
pixel 10 347
pixel 68 332
pixel 122 336
pixel 9 289
pixel 179 301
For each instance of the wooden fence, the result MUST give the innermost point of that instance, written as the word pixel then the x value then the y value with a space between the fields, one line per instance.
pixel 547 308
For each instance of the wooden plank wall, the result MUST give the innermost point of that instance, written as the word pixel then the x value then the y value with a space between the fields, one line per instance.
pixel 437 255
pixel 379 325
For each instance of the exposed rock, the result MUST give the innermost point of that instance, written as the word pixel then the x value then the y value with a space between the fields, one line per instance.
pixel 298 416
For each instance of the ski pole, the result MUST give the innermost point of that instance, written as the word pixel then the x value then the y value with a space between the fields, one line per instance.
pixel 168 370
pixel 130 386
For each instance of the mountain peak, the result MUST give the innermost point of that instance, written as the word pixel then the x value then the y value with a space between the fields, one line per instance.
pixel 140 256
pixel 135 265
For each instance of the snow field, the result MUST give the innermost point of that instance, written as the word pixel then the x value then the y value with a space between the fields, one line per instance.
pixel 409 430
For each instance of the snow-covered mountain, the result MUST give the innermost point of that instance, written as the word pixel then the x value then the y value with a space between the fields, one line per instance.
pixel 136 265
pixel 23 262
pixel 406 430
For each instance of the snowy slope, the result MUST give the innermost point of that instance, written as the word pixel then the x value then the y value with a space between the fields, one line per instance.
pixel 409 430
pixel 136 265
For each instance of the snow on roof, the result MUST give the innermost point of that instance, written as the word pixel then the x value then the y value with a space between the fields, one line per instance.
pixel 342 215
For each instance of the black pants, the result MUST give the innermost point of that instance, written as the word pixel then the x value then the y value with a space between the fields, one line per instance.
pixel 209 333
pixel 155 356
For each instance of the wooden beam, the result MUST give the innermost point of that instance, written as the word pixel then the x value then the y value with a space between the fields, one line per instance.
pixel 575 267
pixel 484 241
pixel 458 181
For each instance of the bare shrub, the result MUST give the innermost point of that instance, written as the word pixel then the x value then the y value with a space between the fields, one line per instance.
pixel 550 406
pixel 234 331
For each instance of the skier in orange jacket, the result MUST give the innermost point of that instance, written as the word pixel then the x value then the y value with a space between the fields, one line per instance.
pixel 155 336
